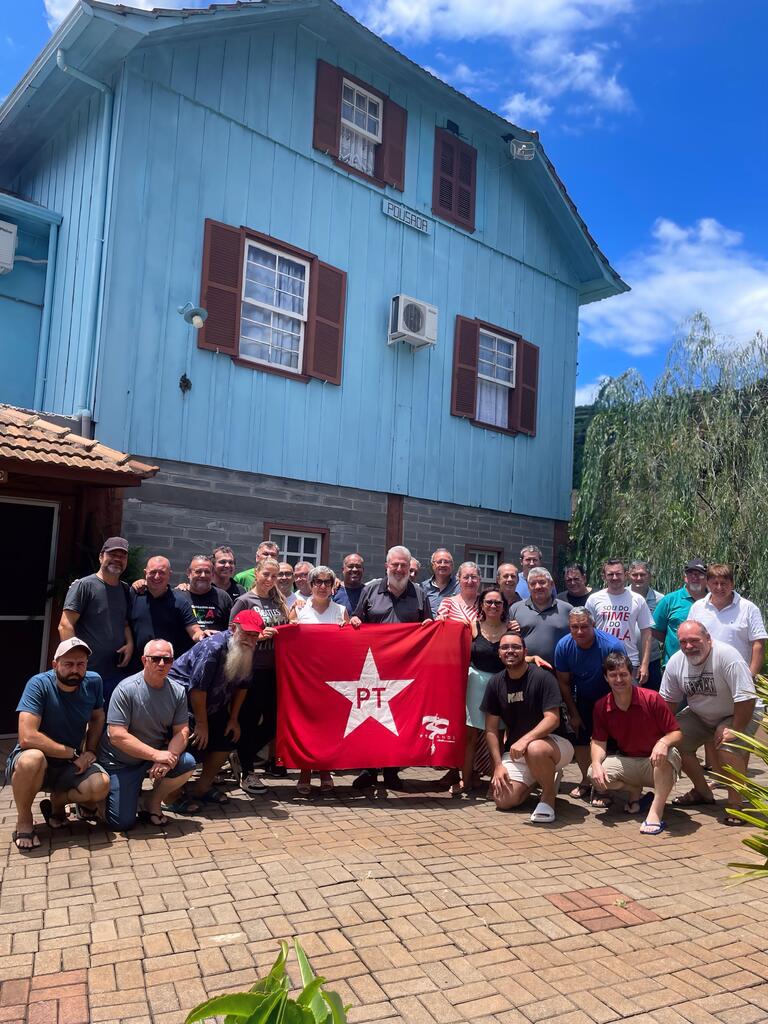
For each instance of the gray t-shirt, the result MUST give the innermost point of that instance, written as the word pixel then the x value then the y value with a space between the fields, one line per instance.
pixel 711 688
pixel 541 630
pixel 103 612
pixel 148 713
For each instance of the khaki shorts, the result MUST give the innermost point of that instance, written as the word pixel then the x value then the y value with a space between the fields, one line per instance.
pixel 518 771
pixel 697 732
pixel 634 772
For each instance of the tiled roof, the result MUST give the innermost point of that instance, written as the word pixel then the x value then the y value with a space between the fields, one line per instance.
pixel 30 438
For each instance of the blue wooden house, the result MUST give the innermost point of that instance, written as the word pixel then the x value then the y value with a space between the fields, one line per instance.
pixel 379 284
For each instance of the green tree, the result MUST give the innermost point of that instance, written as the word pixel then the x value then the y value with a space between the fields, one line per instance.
pixel 681 468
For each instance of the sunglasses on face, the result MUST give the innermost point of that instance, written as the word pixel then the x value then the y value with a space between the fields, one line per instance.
pixel 322 583
pixel 491 602
pixel 159 659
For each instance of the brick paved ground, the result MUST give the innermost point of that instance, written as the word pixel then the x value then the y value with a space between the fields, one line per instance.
pixel 418 908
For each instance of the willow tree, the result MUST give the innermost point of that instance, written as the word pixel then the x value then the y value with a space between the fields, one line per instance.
pixel 681 468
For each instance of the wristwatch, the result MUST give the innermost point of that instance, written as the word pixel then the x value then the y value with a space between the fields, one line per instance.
pixel 75 755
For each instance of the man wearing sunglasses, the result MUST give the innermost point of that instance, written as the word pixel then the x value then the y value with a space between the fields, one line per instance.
pixel 147 734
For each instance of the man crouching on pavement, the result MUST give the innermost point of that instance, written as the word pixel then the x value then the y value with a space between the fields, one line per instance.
pixel 217 674
pixel 61 718
pixel 526 699
pixel 647 735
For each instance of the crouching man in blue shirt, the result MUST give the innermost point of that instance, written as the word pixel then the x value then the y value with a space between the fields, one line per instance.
pixel 147 734
pixel 61 718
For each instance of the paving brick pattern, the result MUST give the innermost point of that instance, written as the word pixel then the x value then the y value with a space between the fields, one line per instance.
pixel 417 907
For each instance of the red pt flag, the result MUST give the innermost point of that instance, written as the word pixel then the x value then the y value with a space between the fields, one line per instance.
pixel 374 697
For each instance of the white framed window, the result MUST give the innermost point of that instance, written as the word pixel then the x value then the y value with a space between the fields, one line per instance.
pixel 488 564
pixel 274 307
pixel 361 127
pixel 298 547
pixel 495 378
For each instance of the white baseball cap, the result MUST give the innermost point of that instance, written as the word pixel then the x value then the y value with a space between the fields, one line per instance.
pixel 69 645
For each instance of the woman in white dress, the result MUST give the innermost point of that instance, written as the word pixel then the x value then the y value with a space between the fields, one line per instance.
pixel 320 609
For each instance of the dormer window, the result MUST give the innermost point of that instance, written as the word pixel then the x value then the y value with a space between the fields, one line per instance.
pixel 361 127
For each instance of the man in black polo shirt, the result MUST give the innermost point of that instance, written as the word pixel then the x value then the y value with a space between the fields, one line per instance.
pixel 159 613
pixel 526 699
pixel 540 619
pixel 395 598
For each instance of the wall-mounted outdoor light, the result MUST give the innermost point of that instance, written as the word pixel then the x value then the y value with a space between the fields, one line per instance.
pixel 194 315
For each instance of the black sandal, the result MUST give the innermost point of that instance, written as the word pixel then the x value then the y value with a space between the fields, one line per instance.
pixel 32 836
pixel 53 821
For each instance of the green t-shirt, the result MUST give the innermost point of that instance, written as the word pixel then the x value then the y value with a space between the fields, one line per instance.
pixel 668 614
pixel 246 578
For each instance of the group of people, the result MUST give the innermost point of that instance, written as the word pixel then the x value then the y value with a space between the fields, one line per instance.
pixel 170 684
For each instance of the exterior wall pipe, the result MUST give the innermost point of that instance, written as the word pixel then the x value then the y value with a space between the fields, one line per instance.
pixel 86 368
pixel 41 373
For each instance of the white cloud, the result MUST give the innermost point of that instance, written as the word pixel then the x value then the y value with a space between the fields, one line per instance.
pixel 57 10
pixel 587 393
pixel 522 108
pixel 703 267
pixel 541 35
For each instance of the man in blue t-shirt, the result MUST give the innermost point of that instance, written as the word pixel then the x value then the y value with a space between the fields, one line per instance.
pixel 579 665
pixel 61 718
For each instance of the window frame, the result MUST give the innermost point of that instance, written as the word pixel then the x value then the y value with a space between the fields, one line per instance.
pixel 470 549
pixel 302 318
pixel 299 530
pixel 351 83
pixel 498 336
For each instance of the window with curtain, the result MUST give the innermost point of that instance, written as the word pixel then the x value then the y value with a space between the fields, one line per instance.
pixel 495 378
pixel 274 307
pixel 361 122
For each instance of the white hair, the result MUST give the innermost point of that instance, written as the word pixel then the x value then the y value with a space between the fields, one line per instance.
pixel 157 640
pixel 534 574
pixel 398 549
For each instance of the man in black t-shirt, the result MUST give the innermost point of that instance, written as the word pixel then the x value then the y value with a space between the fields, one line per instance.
pixel 210 605
pixel 159 613
pixel 526 700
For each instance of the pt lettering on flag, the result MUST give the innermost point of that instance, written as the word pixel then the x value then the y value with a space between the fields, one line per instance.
pixel 375 697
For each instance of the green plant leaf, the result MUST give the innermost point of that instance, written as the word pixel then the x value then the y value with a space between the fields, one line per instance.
pixel 314 1001
pixel 277 978
pixel 295 1014
pixel 270 1010
pixel 241 1005
pixel 338 1012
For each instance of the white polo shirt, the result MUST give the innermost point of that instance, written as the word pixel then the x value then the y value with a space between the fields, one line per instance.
pixel 737 625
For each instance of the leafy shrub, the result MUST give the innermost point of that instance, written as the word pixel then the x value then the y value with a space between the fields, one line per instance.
pixel 268 1001
pixel 755 796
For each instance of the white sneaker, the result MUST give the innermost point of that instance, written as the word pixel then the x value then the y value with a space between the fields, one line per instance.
pixel 252 783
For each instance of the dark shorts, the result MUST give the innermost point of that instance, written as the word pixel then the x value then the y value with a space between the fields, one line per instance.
pixel 218 742
pixel 60 776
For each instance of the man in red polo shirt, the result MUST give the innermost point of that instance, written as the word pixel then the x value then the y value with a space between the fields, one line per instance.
pixel 646 733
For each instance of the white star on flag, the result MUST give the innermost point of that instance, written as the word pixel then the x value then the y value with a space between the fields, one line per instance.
pixel 370 696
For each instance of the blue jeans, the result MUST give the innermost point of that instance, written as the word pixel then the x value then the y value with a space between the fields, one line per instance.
pixel 125 789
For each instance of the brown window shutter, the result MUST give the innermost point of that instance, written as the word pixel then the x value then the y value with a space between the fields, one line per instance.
pixel 390 155
pixel 466 186
pixel 327 108
pixel 454 183
pixel 324 336
pixel 524 396
pixel 466 346
pixel 221 287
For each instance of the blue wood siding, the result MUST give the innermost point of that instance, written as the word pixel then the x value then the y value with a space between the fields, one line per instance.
pixel 60 178
pixel 223 129
pixel 21 306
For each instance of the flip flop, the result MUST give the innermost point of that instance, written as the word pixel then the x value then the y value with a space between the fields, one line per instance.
pixel 32 836
pixel 213 796
pixel 652 828
pixel 184 805
pixel 304 789
pixel 152 818
pixel 61 820
pixel 543 814
pixel 733 821
pixel 642 804
pixel 690 799
pixel 600 800
pixel 580 792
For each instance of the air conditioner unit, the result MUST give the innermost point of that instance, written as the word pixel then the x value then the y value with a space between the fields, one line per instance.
pixel 7 246
pixel 412 321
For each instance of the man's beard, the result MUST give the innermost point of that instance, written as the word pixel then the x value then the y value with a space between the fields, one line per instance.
pixel 238 662
pixel 71 680
pixel 395 584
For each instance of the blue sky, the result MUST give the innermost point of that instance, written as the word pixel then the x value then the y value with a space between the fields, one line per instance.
pixel 653 113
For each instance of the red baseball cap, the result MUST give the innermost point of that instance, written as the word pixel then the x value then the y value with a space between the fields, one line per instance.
pixel 249 620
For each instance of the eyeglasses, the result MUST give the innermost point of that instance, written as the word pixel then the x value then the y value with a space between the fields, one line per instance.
pixel 509 647
pixel 489 602
pixel 322 583
pixel 159 659
pixel 284 575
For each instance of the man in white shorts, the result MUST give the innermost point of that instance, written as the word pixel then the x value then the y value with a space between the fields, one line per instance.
pixel 526 700
pixel 717 683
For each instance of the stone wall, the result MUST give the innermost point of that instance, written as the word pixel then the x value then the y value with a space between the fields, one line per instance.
pixel 188 509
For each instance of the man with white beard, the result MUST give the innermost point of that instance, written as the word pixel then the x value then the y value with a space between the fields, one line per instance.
pixel 216 674
pixel 395 598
